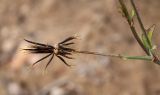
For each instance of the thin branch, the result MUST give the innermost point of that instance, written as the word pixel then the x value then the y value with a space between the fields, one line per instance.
pixel 130 22
pixel 140 22
pixel 100 54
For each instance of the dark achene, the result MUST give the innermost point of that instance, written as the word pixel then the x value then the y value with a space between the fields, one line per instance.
pixel 60 50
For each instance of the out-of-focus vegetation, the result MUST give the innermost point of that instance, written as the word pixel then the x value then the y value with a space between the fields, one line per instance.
pixel 100 28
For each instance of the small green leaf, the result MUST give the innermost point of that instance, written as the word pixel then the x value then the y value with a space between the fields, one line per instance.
pixel 149 44
pixel 150 33
pixel 145 42
pixel 132 13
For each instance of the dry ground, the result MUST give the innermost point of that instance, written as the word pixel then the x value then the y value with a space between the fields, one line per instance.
pixel 100 28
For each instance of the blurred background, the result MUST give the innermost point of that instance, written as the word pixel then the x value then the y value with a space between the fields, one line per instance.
pixel 100 28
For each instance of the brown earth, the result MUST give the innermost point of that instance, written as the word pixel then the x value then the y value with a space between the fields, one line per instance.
pixel 100 28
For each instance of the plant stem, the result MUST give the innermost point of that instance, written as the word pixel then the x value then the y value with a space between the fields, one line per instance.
pixel 147 58
pixel 130 22
pixel 140 22
pixel 100 54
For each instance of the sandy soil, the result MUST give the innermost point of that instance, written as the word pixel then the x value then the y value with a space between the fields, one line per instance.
pixel 100 28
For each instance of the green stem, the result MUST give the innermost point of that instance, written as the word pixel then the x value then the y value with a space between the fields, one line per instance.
pixel 146 58
pixel 130 22
pixel 140 22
